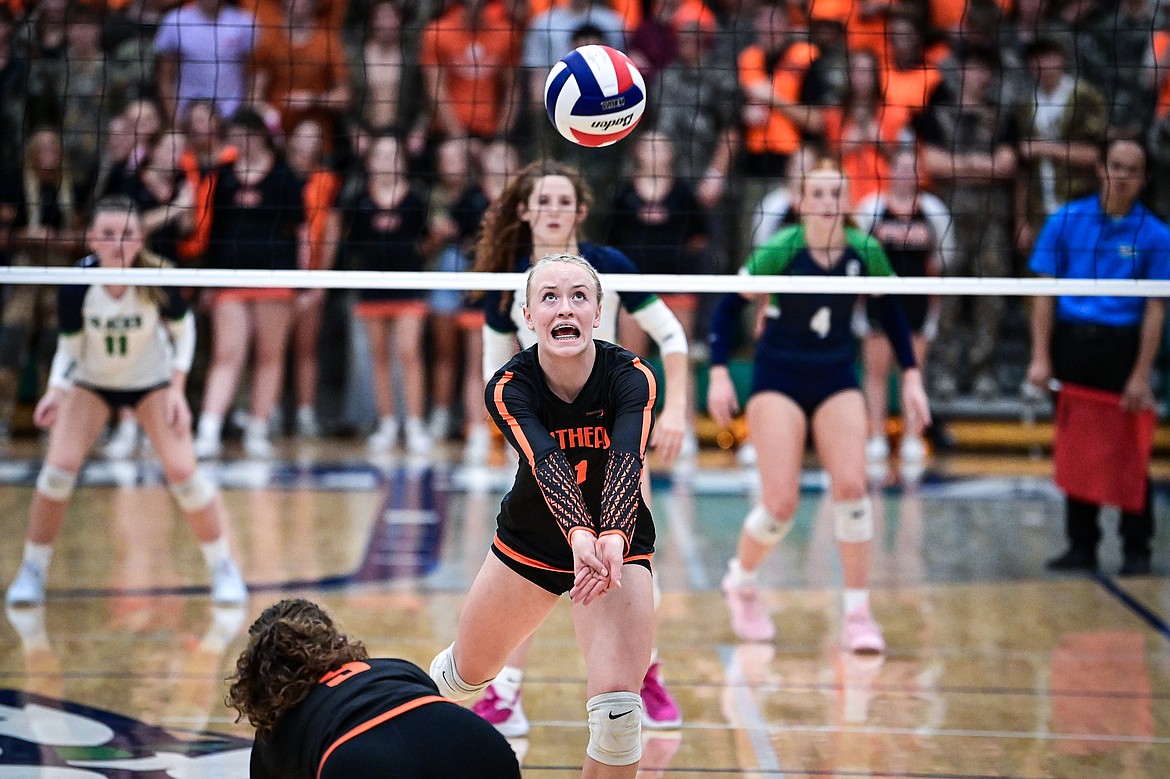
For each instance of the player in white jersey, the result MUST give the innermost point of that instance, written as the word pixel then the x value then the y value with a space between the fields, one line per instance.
pixel 121 347
pixel 539 213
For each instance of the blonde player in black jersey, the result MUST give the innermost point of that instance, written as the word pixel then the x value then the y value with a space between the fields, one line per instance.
pixel 121 347
pixel 579 412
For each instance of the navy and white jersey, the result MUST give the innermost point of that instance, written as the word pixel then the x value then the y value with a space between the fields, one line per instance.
pixel 818 327
pixel 122 343
pixel 504 316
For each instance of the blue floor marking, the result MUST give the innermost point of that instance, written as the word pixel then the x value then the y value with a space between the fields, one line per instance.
pixel 1133 604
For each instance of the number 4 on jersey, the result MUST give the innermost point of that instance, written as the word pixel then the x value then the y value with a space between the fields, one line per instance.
pixel 821 322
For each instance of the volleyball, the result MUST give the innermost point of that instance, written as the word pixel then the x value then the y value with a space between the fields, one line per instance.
pixel 595 96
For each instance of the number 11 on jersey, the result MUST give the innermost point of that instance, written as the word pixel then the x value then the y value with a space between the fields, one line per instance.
pixel 116 345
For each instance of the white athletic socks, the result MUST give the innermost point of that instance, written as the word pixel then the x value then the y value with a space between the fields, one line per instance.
pixel 215 552
pixel 854 599
pixel 446 677
pixel 38 555
pixel 210 427
pixel 738 576
pixel 507 683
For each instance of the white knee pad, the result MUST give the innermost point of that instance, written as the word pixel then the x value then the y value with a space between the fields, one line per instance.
pixel 853 520
pixel 765 527
pixel 55 483
pixel 194 494
pixel 451 685
pixel 615 728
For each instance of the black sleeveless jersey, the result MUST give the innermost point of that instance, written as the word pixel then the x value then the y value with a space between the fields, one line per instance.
pixel 255 227
pixel 357 694
pixel 613 413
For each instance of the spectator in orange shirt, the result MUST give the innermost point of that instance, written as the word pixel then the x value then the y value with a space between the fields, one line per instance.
pixel 860 131
pixel 949 15
pixel 469 57
pixel 299 70
pixel 269 13
pixel 864 21
pixel 781 104
pixel 908 78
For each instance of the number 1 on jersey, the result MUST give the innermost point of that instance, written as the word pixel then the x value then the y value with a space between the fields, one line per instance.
pixel 582 468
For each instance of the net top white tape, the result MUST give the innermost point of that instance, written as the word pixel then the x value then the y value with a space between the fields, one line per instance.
pixel 428 280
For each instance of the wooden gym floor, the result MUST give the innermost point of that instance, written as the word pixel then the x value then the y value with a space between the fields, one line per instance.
pixel 995 668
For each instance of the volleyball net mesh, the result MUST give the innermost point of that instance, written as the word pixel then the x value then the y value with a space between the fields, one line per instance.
pixel 961 127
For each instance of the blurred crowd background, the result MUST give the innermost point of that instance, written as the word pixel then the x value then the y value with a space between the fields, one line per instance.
pixel 372 135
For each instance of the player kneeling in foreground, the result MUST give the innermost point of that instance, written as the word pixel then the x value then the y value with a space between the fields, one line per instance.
pixel 324 709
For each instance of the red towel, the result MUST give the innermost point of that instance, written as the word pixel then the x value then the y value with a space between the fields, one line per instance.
pixel 1101 451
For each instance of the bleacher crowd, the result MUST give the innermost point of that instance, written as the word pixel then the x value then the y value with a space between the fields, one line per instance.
pixel 373 134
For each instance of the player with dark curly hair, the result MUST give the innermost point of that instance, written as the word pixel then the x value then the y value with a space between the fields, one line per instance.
pixel 324 709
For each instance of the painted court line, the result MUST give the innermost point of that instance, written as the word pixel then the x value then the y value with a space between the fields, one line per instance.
pixel 1133 604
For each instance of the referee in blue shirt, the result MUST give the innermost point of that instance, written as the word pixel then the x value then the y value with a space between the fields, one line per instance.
pixel 1105 342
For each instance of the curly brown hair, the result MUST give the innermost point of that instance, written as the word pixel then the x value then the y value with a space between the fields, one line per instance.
pixel 504 236
pixel 291 645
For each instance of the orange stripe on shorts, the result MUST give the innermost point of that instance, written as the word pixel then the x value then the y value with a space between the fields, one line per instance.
pixel 376 721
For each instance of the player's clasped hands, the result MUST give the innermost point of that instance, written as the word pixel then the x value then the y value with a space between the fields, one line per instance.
pixel 597 566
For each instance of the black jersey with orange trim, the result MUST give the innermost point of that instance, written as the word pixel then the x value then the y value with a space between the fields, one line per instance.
pixel 347 700
pixel 613 413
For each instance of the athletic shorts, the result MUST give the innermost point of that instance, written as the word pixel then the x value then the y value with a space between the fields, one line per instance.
pixel 390 309
pixel 118 399
pixel 471 319
pixel 253 295
pixel 808 384
pixel 556 580
pixel 439 738
pixel 681 301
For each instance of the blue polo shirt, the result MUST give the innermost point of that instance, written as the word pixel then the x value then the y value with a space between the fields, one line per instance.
pixel 1080 241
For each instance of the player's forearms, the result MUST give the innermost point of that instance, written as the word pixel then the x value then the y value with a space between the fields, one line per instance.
pixel 677 369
